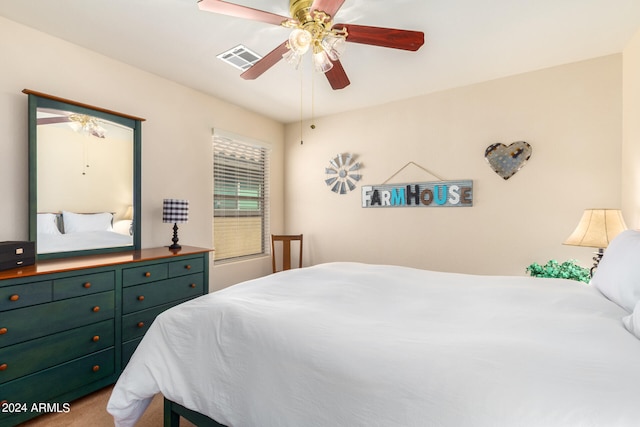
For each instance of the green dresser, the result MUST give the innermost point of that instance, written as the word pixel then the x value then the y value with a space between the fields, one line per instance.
pixel 150 289
pixel 68 327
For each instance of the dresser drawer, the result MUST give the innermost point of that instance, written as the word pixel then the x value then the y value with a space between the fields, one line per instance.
pixel 32 356
pixel 83 285
pixel 24 295
pixel 144 274
pixel 46 385
pixel 136 324
pixel 140 297
pixel 186 266
pixel 128 348
pixel 37 321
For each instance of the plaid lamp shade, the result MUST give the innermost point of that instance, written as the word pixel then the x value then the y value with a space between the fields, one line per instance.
pixel 175 211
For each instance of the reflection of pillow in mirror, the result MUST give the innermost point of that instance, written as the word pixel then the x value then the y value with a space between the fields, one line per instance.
pixel 47 224
pixel 124 227
pixel 76 223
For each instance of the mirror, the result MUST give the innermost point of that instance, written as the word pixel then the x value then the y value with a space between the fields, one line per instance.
pixel 84 178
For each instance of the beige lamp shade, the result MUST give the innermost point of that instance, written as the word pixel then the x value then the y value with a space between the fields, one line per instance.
pixel 597 228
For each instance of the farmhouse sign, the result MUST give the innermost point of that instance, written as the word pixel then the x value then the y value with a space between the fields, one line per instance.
pixel 423 194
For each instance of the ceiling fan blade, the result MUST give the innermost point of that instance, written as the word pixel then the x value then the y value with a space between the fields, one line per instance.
pixel 385 37
pixel 337 76
pixel 230 9
pixel 330 7
pixel 52 120
pixel 267 61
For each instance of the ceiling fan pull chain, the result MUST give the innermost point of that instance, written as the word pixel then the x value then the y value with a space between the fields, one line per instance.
pixel 85 157
pixel 313 114
pixel 301 105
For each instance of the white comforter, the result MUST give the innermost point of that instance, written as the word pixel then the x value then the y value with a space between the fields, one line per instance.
pixel 347 344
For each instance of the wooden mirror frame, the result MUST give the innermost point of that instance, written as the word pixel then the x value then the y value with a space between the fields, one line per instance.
pixel 38 99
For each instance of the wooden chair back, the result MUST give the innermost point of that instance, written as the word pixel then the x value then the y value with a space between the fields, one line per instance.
pixel 286 240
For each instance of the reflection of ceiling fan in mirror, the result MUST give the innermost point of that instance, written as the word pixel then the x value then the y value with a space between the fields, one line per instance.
pixel 79 122
pixel 313 29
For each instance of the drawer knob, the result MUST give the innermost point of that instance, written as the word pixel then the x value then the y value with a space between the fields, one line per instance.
pixel 188 267
pixel 3 331
pixel 3 367
pixel 96 309
pixel 95 368
pixel 14 297
pixel 147 274
pixel 141 298
pixel 193 285
pixel 95 338
pixel 140 324
pixel 87 285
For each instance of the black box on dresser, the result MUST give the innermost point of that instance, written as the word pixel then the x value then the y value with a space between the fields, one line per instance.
pixel 14 254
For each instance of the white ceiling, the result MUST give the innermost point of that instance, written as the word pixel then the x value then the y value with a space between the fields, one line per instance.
pixel 466 41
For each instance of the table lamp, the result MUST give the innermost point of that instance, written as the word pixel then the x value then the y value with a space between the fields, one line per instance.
pixel 596 229
pixel 175 211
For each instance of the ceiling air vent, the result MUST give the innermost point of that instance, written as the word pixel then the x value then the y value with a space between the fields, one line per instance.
pixel 240 57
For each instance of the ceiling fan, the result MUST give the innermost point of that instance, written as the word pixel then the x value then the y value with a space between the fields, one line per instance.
pixel 313 28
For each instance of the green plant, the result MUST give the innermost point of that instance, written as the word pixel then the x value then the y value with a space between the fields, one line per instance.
pixel 566 270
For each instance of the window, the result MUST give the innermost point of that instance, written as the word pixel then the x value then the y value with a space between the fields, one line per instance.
pixel 240 196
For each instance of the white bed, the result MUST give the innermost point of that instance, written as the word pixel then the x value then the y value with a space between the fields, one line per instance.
pixel 347 344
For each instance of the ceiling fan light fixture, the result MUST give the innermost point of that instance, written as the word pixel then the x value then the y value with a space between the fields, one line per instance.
pixel 334 45
pixel 98 132
pixel 300 40
pixel 75 126
pixel 293 58
pixel 321 61
pixel 313 30
pixel 87 125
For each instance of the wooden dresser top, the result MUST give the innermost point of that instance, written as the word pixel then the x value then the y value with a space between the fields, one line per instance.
pixel 88 261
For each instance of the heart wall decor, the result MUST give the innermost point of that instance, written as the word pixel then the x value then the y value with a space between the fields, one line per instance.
pixel 506 160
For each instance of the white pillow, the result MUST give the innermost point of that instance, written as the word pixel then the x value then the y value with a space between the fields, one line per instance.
pixel 47 223
pixel 77 223
pixel 632 321
pixel 123 226
pixel 618 274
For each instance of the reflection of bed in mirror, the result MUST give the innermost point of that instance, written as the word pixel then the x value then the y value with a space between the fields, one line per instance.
pixel 70 231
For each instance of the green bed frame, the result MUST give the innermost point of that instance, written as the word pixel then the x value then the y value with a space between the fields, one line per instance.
pixel 173 412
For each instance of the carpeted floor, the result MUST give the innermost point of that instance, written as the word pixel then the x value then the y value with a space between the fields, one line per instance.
pixel 91 411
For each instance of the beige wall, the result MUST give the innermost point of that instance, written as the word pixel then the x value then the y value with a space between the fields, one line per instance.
pixel 631 132
pixel 177 152
pixel 572 117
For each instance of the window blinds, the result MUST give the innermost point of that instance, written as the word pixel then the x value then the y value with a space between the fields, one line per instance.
pixel 240 197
